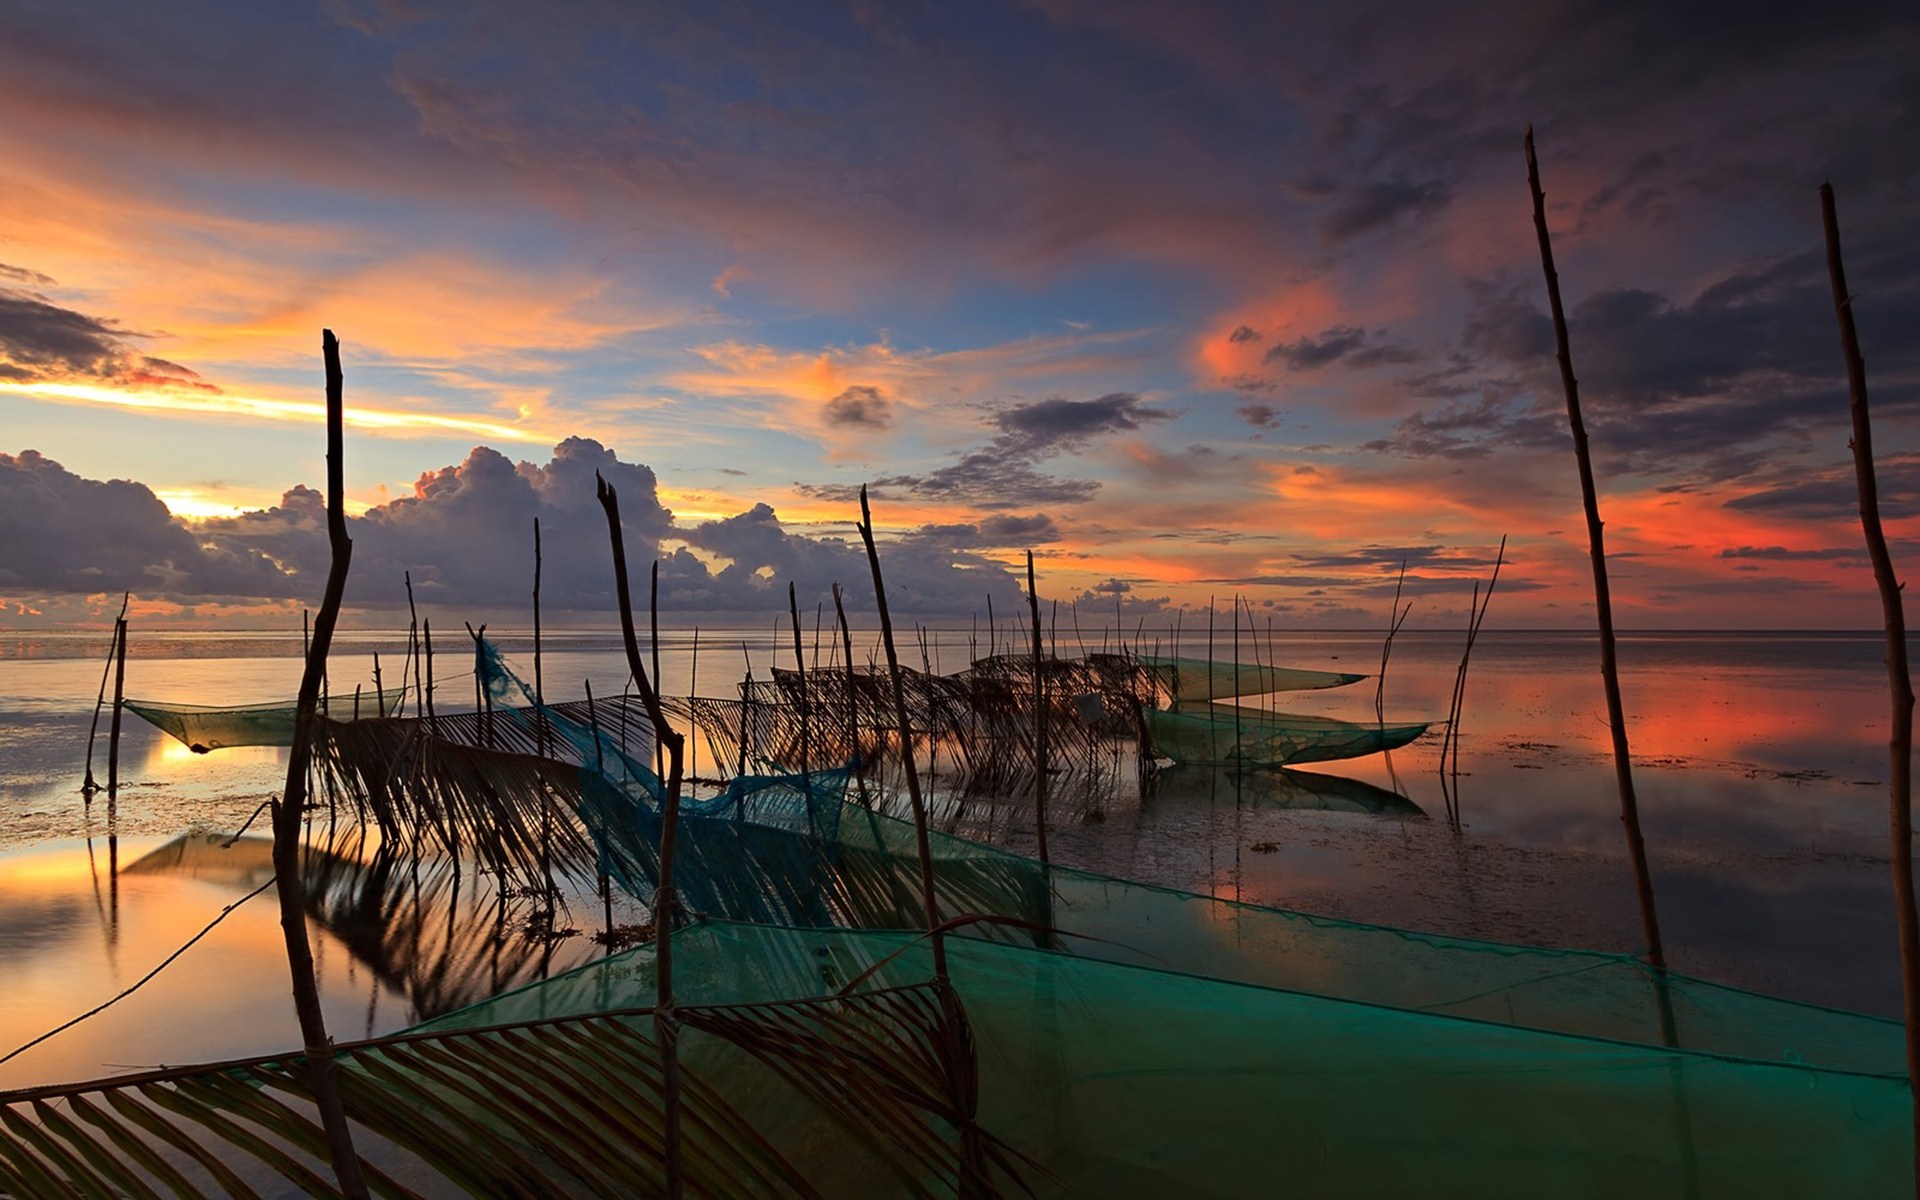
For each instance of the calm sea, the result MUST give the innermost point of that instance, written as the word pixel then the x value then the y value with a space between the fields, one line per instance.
pixel 1761 764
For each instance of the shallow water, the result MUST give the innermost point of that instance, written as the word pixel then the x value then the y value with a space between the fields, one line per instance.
pixel 1760 764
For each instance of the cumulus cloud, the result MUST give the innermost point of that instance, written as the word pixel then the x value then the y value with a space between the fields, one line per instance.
pixel 465 537
pixel 62 533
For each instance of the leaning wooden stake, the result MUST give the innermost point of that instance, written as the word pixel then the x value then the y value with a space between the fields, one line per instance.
pixel 1039 721
pixel 1602 599
pixel 665 903
pixel 322 1070
pixel 1396 617
pixel 906 744
pixel 1899 679
pixel 951 1035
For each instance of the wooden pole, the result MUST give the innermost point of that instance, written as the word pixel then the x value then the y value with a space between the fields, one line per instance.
pixel 600 765
pixel 413 645
pixel 853 701
pixel 693 689
pixel 666 1022
pixel 541 728
pixel 653 648
pixel 119 698
pixel 106 669
pixel 1899 677
pixel 800 673
pixel 321 1068
pixel 1039 721
pixel 1602 598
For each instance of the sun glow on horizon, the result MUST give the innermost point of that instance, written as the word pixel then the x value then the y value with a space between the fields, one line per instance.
pixel 226 404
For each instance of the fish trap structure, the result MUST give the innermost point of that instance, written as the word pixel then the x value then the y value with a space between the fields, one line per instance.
pixel 1060 1032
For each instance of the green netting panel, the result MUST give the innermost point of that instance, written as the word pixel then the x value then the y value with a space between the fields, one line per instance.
pixel 1124 1081
pixel 203 728
pixel 751 860
pixel 1228 733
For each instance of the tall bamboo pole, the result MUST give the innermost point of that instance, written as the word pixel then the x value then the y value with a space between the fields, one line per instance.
pixel 321 1068
pixel 665 903
pixel 1899 678
pixel 1602 599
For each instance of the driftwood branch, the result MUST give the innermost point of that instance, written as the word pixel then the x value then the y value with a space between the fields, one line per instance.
pixel 1899 677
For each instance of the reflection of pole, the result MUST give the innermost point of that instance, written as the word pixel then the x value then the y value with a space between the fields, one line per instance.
pixel 113 780
pixel 113 875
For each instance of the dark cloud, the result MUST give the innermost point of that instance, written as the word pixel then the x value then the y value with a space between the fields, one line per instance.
pixel 40 340
pixel 1242 334
pixel 1365 207
pixel 859 407
pixel 1723 385
pixel 1475 429
pixel 1384 556
pixel 993 478
pixel 24 275
pixel 1832 494
pixel 1782 554
pixel 994 532
pixel 1342 343
pixel 1258 415
pixel 1060 424
pixel 1004 474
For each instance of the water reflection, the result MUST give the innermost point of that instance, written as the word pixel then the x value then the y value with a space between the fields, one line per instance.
pixel 1282 788
pixel 395 942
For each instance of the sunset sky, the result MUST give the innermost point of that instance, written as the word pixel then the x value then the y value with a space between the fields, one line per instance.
pixel 1191 299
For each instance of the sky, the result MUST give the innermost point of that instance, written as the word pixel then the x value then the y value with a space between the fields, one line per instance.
pixel 1198 302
